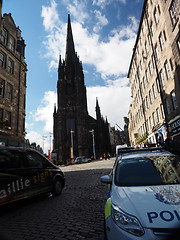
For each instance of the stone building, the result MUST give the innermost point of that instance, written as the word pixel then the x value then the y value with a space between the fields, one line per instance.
pixel 75 132
pixel 12 82
pixel 117 137
pixel 154 74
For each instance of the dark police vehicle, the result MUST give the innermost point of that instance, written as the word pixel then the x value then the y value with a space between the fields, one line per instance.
pixel 25 173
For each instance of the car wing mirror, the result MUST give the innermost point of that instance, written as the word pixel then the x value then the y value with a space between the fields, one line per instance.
pixel 106 179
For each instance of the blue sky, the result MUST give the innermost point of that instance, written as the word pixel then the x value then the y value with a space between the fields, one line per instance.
pixel 104 34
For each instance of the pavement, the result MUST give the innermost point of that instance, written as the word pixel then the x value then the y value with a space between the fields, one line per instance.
pixel 76 214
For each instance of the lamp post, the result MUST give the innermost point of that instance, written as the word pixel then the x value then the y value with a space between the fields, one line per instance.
pixel 72 153
pixel 92 131
pixel 50 135
pixel 43 137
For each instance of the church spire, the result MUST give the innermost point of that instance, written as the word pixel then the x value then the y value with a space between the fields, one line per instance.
pixel 70 49
pixel 98 111
pixel 59 63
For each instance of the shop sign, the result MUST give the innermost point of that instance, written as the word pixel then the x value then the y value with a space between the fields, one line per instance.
pixel 174 127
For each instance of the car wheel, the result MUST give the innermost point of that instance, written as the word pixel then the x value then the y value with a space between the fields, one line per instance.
pixel 57 187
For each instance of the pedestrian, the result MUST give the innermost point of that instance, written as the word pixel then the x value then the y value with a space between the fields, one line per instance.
pixel 104 156
pixel 160 140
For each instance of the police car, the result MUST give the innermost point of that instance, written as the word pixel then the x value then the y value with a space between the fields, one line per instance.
pixel 143 200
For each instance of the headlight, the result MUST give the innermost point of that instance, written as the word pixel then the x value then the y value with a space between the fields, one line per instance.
pixel 126 221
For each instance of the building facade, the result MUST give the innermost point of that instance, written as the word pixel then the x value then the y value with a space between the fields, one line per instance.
pixel 154 74
pixel 13 70
pixel 75 132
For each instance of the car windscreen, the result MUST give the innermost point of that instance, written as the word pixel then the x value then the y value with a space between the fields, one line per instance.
pixel 144 171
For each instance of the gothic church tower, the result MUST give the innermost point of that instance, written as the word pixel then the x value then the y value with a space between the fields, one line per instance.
pixel 71 115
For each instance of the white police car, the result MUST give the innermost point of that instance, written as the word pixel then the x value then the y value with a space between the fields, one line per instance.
pixel 143 200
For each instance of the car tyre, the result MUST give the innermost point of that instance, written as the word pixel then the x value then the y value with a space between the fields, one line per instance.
pixel 57 187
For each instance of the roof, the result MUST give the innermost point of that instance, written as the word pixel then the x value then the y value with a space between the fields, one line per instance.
pixel 138 150
pixel 146 154
pixel 137 38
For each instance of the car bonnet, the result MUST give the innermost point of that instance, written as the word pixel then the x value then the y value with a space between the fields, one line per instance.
pixel 154 206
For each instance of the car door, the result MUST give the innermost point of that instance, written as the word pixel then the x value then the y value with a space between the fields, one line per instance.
pixel 38 173
pixel 13 180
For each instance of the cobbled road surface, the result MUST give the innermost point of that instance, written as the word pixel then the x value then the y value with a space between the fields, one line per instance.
pixel 76 214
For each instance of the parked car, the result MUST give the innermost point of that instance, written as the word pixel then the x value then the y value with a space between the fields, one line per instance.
pixel 82 159
pixel 25 173
pixel 129 150
pixel 143 200
pixel 120 148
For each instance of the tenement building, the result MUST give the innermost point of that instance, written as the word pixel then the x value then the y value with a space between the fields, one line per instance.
pixel 154 74
pixel 75 132
pixel 12 82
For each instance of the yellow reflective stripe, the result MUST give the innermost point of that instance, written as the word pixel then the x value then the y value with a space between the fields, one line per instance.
pixel 107 208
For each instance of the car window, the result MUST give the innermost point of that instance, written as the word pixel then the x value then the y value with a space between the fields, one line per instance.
pixel 34 159
pixel 144 171
pixel 10 159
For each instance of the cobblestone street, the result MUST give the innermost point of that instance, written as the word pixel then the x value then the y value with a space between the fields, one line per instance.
pixel 76 214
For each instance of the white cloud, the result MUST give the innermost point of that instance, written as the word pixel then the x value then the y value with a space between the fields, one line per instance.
pixel 101 21
pixel 44 112
pixel 37 138
pixel 77 9
pixel 29 125
pixel 114 100
pixel 44 116
pixel 50 16
pixel 103 3
pixel 109 58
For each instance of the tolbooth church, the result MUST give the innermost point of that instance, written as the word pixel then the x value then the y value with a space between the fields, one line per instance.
pixel 73 125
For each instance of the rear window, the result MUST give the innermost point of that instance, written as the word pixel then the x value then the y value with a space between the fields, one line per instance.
pixel 10 159
pixel 145 171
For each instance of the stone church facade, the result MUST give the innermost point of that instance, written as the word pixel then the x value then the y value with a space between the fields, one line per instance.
pixel 72 123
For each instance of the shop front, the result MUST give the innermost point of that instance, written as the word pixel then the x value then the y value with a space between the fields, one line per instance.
pixel 158 136
pixel 174 128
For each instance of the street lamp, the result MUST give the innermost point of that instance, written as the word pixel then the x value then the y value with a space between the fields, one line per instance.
pixel 50 135
pixel 72 153
pixel 43 137
pixel 92 131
